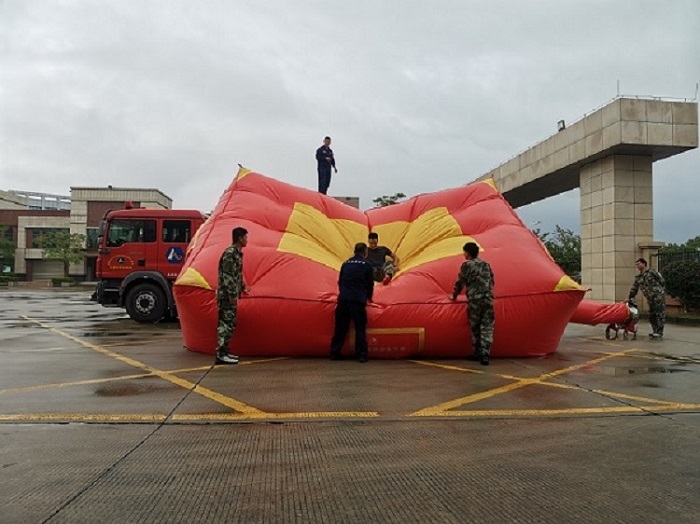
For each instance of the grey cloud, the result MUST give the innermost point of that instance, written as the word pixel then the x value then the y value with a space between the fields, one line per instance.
pixel 417 96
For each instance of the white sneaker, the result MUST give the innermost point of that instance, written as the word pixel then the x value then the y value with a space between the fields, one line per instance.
pixel 226 359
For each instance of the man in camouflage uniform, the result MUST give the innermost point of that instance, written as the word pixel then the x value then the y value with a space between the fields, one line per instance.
pixel 476 275
pixel 229 289
pixel 653 288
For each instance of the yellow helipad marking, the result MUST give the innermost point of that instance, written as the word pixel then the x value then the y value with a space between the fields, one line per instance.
pixel 245 412
pixel 447 408
pixel 186 384
pixel 548 384
pixel 520 383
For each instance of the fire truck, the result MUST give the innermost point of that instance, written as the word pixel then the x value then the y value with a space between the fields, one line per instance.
pixel 140 254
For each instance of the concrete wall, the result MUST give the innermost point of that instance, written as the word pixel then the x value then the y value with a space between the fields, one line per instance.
pixel 11 201
pixel 24 252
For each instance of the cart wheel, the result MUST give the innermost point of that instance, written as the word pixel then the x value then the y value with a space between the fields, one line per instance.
pixel 611 332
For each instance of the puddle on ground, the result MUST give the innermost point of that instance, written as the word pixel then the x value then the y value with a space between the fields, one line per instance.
pixel 108 334
pixel 617 371
pixel 126 390
pixel 89 334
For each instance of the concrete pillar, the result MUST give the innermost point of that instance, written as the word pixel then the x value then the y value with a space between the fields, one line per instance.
pixel 616 218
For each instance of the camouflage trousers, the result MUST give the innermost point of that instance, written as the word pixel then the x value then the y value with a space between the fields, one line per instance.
pixel 657 315
pixel 387 270
pixel 481 320
pixel 226 325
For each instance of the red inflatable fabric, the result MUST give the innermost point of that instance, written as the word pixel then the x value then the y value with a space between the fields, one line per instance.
pixel 299 238
pixel 594 313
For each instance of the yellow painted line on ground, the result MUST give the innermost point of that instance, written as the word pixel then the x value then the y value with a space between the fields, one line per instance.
pixel 39 350
pixel 451 367
pixel 228 417
pixel 185 384
pixel 39 387
pixel 205 417
pixel 563 412
pixel 604 342
pixel 80 417
pixel 440 408
pixel 632 397
pixel 274 416
pixel 448 367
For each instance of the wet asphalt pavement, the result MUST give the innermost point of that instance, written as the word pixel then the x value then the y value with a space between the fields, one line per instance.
pixel 106 420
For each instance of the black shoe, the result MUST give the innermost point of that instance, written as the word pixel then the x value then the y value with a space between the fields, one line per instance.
pixel 362 359
pixel 336 357
pixel 476 357
pixel 485 360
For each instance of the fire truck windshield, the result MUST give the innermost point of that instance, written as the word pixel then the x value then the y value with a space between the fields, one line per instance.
pixel 125 231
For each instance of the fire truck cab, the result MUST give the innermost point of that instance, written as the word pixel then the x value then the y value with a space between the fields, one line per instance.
pixel 140 254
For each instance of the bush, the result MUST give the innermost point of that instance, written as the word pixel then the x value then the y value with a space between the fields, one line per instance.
pixel 4 279
pixel 59 281
pixel 683 282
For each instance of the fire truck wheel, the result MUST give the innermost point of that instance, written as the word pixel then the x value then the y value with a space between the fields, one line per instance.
pixel 146 303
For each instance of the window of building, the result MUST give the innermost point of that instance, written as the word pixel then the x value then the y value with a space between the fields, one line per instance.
pixel 39 234
pixel 7 248
pixel 177 231
pixel 91 238
pixel 6 232
pixel 125 231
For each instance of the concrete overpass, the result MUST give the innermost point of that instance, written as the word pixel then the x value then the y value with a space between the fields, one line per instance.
pixel 609 155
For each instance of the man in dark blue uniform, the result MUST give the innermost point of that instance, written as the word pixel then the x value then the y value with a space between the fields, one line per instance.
pixel 355 287
pixel 325 159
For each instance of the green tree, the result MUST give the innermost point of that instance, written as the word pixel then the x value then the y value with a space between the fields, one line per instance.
pixel 565 247
pixel 64 246
pixel 386 200
pixel 683 282
pixel 688 245
pixel 7 248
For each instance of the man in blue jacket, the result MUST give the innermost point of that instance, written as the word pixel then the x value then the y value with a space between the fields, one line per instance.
pixel 325 160
pixel 355 287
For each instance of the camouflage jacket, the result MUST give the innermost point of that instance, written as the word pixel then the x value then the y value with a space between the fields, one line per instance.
pixel 652 285
pixel 476 275
pixel 231 283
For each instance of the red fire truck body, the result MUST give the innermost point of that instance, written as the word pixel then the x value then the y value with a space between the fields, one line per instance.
pixel 140 254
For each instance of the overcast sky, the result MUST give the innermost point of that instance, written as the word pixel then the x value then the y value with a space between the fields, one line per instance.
pixel 417 95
